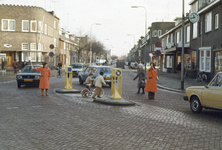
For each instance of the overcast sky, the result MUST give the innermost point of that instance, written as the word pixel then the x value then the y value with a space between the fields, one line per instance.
pixel 117 18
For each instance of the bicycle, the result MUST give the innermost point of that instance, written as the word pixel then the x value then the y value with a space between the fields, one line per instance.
pixel 58 72
pixel 87 92
pixel 201 76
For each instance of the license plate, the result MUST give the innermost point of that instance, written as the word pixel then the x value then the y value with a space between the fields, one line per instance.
pixel 74 74
pixel 107 78
pixel 28 80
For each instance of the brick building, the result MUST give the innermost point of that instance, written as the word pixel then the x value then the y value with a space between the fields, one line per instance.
pixel 27 31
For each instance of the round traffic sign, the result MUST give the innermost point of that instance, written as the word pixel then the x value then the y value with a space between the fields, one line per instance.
pixel 150 54
pixel 51 54
pixel 157 53
pixel 118 73
pixel 158 44
pixel 51 46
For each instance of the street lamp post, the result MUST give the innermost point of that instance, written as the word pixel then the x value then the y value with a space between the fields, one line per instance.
pixel 133 36
pixel 129 45
pixel 182 57
pixel 90 52
pixel 145 27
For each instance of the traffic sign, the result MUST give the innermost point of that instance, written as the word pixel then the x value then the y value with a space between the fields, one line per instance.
pixel 150 54
pixel 51 46
pixel 51 54
pixel 158 44
pixel 157 53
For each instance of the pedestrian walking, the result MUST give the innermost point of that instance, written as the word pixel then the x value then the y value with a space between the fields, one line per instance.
pixel 3 63
pixel 178 69
pixel 98 82
pixel 15 65
pixel 44 78
pixel 151 84
pixel 141 81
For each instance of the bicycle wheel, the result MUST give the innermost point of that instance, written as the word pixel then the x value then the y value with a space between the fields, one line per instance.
pixel 102 93
pixel 85 93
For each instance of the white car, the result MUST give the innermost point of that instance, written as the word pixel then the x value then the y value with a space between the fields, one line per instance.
pixel 76 68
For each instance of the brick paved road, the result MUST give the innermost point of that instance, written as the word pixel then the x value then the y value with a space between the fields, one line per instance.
pixel 60 122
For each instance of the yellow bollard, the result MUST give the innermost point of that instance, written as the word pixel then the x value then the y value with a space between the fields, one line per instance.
pixel 116 85
pixel 68 77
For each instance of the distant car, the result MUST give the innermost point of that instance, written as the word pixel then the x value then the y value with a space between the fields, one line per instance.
pixel 96 70
pixel 132 65
pixel 76 68
pixel 208 96
pixel 28 76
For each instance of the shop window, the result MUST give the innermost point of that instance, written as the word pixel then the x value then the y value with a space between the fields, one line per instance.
pixel 218 61
pixel 39 56
pixel 25 25
pixel 33 56
pixel 205 60
pixel 25 56
pixel 193 60
pixel 169 61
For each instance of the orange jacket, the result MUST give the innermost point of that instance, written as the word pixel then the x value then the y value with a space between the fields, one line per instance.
pixel 151 84
pixel 44 78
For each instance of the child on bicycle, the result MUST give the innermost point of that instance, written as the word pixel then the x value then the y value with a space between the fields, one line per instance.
pixel 98 83
pixel 89 80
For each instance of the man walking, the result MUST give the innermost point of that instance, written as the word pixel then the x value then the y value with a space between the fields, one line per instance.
pixel 99 81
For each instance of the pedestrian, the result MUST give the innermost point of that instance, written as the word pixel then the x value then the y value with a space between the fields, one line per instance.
pixel 15 65
pixel 3 63
pixel 136 65
pixel 141 81
pixel 178 69
pixel 24 64
pixel 99 80
pixel 151 84
pixel 60 64
pixel 44 78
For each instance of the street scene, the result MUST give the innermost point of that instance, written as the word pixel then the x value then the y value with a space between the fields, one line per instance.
pixel 82 75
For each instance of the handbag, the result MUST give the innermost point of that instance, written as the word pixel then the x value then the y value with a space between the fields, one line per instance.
pixel 142 83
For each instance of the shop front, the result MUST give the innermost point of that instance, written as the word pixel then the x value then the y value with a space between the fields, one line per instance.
pixel 218 61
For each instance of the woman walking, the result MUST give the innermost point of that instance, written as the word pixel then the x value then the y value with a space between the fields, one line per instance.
pixel 15 65
pixel 44 78
pixel 141 81
pixel 151 85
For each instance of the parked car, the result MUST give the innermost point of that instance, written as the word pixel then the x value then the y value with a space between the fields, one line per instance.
pixel 96 70
pixel 132 65
pixel 28 76
pixel 207 96
pixel 76 68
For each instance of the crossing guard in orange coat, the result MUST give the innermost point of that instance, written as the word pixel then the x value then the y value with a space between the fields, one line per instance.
pixel 44 78
pixel 151 84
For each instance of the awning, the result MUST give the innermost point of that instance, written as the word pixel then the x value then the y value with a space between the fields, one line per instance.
pixel 170 50
pixel 217 50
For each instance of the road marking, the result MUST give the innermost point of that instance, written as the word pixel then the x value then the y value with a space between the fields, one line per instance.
pixel 12 108
pixel 8 81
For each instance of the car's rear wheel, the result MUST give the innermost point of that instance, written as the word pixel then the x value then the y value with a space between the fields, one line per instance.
pixel 195 105
pixel 18 85
pixel 80 81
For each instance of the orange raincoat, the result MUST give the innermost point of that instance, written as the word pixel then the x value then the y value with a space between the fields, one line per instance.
pixel 151 84
pixel 44 78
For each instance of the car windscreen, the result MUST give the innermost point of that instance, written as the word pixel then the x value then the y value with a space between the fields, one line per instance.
pixel 28 69
pixel 106 70
pixel 76 65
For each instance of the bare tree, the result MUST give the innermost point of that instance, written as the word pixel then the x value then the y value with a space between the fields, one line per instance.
pixel 114 57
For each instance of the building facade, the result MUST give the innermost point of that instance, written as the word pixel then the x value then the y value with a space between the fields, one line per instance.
pixel 26 33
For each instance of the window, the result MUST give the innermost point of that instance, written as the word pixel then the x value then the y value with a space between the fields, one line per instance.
pixel 64 45
pixel 39 46
pixel 218 61
pixel 50 31
pixel 216 21
pixel 55 24
pixel 33 26
pixel 25 25
pixel 159 32
pixel 8 25
pixel 39 56
pixel 171 38
pixel 25 56
pixel 178 36
pixel 187 34
pixel 167 40
pixel 208 22
pixel 217 81
pixel 169 61
pixel 33 56
pixel 155 33
pixel 40 27
pixel 33 46
pixel 205 59
pixel 55 42
pixel 195 30
pixel 45 29
pixel 25 46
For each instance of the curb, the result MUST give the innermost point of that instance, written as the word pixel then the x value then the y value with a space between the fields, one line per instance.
pixel 64 91
pixel 116 102
pixel 170 89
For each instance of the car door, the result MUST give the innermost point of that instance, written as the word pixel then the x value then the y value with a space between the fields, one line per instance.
pixel 212 96
pixel 85 74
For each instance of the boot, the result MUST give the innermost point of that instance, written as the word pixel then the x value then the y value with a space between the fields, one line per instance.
pixel 138 91
pixel 42 92
pixel 143 91
pixel 46 91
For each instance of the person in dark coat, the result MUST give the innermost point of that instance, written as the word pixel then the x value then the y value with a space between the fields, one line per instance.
pixel 141 82
pixel 178 69
pixel 24 64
